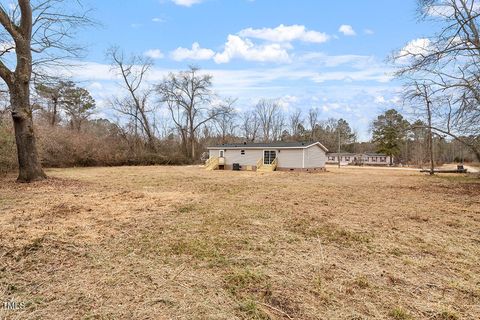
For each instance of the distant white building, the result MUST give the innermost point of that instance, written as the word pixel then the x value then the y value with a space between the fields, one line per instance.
pixel 367 158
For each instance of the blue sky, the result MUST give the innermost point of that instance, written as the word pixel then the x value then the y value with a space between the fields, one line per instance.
pixel 329 55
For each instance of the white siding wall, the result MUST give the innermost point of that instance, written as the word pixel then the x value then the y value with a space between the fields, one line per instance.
pixel 212 153
pixel 290 158
pixel 250 157
pixel 315 157
pixel 232 156
pixel 361 158
pixel 371 160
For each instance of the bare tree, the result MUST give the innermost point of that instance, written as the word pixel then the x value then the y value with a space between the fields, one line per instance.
pixel 449 63
pixel 37 34
pixel 136 102
pixel 250 125
pixel 188 97
pixel 313 122
pixel 295 122
pixel 225 122
pixel 179 118
pixel 278 127
pixel 421 96
pixel 268 112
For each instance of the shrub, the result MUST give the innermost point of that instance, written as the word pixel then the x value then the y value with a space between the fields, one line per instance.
pixel 8 151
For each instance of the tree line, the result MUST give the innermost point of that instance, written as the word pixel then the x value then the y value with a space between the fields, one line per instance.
pixel 441 79
pixel 172 122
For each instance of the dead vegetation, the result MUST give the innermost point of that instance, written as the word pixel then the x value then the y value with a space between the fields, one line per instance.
pixel 182 243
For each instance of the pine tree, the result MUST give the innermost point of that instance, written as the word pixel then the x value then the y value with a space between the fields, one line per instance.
pixel 389 133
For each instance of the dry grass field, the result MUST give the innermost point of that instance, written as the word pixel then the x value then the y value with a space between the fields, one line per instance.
pixel 182 243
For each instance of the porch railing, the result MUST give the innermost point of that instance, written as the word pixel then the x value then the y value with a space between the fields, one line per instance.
pixel 259 163
pixel 274 164
pixel 211 163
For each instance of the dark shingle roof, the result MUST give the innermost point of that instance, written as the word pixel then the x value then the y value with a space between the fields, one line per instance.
pixel 343 154
pixel 280 145
pixel 373 154
pixel 370 154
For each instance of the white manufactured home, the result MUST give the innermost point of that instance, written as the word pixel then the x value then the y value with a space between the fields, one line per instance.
pixel 374 159
pixel 283 156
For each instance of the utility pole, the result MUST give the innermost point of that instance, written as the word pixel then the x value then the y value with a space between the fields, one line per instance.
pixel 339 144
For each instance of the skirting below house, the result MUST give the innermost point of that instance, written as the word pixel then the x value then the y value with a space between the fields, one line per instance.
pixel 254 168
pixel 242 168
pixel 319 169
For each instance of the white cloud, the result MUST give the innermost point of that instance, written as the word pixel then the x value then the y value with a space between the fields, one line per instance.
pixel 287 101
pixel 445 9
pixel 157 19
pixel 96 86
pixel 322 59
pixel 416 47
pixel 284 33
pixel 154 53
pixel 250 79
pixel 368 31
pixel 237 47
pixel 87 71
pixel 295 85
pixel 186 3
pixel 347 30
pixel 380 99
pixel 196 53
pixel 377 74
pixel 240 46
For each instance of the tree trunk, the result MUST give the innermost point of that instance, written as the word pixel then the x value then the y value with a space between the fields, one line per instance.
pixel 430 138
pixel 192 145
pixel 151 139
pixel 191 136
pixel 29 165
pixel 54 116
pixel 183 136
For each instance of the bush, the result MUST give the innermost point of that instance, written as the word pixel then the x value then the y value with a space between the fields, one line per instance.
pixel 8 151
pixel 99 143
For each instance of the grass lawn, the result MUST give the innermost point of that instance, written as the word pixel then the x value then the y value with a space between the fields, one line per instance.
pixel 183 243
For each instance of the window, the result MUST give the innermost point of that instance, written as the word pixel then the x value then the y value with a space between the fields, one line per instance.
pixel 374 159
pixel 242 152
pixel 347 158
pixel 383 159
pixel 331 158
pixel 221 153
pixel 269 156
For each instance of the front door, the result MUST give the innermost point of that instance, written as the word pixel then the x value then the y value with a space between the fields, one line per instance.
pixel 269 156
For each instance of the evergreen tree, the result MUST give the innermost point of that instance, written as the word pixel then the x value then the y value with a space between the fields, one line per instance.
pixel 389 133
pixel 77 103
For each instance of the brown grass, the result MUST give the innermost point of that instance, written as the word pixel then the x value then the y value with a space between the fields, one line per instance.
pixel 182 243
